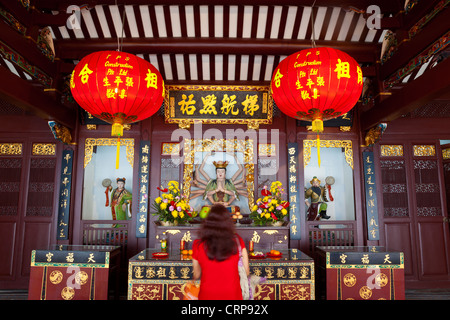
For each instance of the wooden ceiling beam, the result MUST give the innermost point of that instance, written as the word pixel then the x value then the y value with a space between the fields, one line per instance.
pixel 408 50
pixel 391 6
pixel 32 17
pixel 77 49
pixel 431 85
pixel 21 93
pixel 27 49
pixel 421 9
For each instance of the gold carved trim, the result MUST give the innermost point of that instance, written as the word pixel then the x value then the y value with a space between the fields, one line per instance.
pixel 91 142
pixel 346 144
pixel 170 148
pixel 43 149
pixel 446 154
pixel 271 232
pixel 267 149
pixel 388 150
pixel 424 150
pixel 173 231
pixel 10 149
pixel 245 146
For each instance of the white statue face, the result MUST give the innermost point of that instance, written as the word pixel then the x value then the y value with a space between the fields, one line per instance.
pixel 315 183
pixel 120 185
pixel 221 173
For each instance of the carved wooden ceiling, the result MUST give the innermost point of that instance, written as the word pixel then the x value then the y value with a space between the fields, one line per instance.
pixel 233 42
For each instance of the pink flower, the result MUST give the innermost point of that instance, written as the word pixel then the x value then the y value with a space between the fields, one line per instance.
pixel 171 208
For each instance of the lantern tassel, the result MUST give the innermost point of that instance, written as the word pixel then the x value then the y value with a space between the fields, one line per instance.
pixel 318 149
pixel 118 152
pixel 317 126
pixel 117 131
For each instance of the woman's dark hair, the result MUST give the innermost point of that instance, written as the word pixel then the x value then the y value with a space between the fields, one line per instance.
pixel 218 234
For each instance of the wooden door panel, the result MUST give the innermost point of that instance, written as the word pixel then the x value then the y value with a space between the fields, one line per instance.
pixel 43 229
pixel 7 240
pixel 398 238
pixel 433 251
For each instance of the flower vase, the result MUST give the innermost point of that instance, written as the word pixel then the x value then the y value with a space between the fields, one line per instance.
pixel 277 223
pixel 166 223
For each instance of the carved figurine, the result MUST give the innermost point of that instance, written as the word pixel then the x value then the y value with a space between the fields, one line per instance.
pixel 374 134
pixel 317 209
pixel 120 197
pixel 60 132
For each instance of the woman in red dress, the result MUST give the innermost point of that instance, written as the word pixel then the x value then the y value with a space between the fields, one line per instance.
pixel 216 255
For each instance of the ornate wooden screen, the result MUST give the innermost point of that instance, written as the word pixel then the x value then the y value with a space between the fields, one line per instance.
pixel 393 181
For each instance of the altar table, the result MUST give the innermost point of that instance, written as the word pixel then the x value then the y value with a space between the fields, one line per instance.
pixel 264 237
pixel 74 272
pixel 290 277
pixel 359 273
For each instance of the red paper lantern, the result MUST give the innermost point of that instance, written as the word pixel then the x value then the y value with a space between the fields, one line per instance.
pixel 317 84
pixel 117 87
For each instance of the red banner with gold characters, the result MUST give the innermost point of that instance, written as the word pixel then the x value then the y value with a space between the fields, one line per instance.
pixel 71 272
pixel 68 283
pixel 361 273
pixel 365 284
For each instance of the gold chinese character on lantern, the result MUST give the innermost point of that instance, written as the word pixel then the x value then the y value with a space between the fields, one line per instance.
pixel 106 82
pixel 84 74
pixel 342 69
pixel 123 94
pixel 110 93
pixel 360 76
pixel 305 95
pixel 129 82
pixel 152 79
pixel 277 79
pixel 118 80
pixel 320 81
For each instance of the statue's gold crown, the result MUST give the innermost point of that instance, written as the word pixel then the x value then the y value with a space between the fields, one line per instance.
pixel 220 164
pixel 314 179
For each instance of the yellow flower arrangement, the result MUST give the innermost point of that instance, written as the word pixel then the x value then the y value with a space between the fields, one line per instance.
pixel 172 206
pixel 271 208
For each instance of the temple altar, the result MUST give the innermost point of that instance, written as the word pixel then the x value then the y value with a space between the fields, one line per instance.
pixel 289 277
pixel 263 237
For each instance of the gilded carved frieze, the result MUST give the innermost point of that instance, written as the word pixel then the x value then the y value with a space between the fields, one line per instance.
pixel 10 149
pixel 43 149
pixel 345 144
pixel 391 150
pixel 424 150
pixel 91 142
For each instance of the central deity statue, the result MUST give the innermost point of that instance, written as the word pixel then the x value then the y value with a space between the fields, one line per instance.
pixel 219 190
